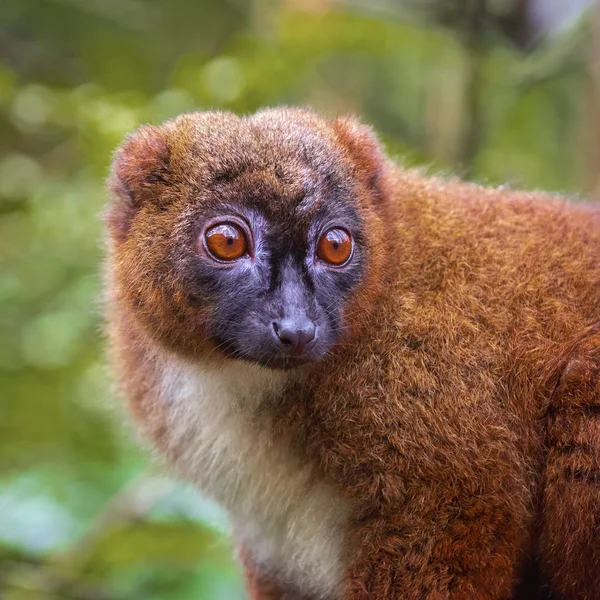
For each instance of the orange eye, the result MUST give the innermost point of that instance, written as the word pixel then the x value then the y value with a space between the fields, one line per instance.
pixel 335 246
pixel 226 241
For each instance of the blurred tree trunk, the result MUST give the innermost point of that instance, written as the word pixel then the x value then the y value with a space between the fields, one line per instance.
pixel 473 37
pixel 515 24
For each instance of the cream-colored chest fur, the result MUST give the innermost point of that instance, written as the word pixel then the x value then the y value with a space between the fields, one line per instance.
pixel 293 524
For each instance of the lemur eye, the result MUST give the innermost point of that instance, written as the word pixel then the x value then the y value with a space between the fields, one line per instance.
pixel 226 241
pixel 335 246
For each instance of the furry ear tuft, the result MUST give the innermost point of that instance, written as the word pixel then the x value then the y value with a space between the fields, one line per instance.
pixel 140 171
pixel 364 148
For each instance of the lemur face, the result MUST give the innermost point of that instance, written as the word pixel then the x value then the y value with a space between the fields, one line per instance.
pixel 240 237
pixel 277 279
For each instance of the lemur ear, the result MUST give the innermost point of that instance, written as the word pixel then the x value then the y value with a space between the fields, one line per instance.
pixel 363 146
pixel 140 171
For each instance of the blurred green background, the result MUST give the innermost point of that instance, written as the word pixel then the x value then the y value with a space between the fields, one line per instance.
pixel 497 91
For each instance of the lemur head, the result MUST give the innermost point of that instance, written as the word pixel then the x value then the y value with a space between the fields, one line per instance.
pixel 254 238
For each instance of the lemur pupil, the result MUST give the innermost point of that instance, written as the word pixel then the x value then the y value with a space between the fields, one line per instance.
pixel 335 245
pixel 230 241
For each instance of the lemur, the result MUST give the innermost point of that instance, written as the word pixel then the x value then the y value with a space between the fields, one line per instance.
pixel 389 381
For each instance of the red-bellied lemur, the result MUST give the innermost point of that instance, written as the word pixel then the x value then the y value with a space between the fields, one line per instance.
pixel 389 381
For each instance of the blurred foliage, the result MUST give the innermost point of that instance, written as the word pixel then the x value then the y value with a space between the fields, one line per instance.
pixel 80 514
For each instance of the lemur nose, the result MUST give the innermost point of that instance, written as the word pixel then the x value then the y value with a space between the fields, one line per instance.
pixel 295 333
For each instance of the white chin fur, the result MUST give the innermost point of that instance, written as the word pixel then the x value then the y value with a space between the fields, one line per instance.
pixel 291 524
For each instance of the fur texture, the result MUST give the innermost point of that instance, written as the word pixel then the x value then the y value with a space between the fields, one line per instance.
pixel 448 438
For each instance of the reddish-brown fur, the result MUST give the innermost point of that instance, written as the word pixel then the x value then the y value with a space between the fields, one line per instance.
pixel 461 415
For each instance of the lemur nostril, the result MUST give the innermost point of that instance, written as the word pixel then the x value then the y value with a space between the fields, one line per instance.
pixel 295 333
pixel 282 336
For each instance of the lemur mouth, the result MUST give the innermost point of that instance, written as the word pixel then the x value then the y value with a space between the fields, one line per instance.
pixel 285 362
pixel 285 359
